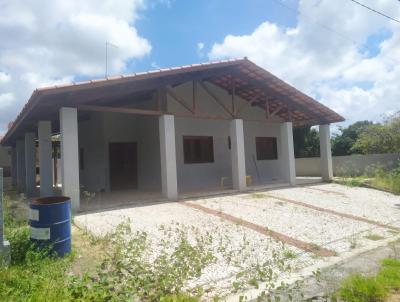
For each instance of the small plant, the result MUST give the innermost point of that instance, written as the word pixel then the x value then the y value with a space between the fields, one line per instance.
pixel 87 196
pixel 258 195
pixel 351 181
pixel 353 242
pixel 289 254
pixel 374 237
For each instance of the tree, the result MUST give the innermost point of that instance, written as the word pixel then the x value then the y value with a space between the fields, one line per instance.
pixel 343 143
pixel 380 138
pixel 306 142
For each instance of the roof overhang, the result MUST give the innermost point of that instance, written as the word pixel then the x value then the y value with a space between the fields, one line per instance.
pixel 252 83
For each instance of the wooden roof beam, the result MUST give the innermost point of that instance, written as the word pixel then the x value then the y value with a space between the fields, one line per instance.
pixel 215 98
pixel 178 99
pixel 263 85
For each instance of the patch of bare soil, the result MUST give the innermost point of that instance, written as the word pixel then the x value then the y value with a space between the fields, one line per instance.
pixel 88 251
pixel 393 297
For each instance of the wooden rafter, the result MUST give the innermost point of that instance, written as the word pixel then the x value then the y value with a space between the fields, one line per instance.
pixel 267 113
pixel 194 86
pixel 119 110
pixel 179 99
pixel 269 90
pixel 276 111
pixel 215 97
pixel 248 103
pixel 233 84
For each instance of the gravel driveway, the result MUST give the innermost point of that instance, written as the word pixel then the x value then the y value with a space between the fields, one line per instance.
pixel 253 226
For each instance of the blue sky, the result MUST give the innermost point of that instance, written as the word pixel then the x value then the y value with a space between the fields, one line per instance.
pixel 175 29
pixel 343 55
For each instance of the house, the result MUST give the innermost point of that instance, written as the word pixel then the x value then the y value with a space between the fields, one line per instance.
pixel 172 131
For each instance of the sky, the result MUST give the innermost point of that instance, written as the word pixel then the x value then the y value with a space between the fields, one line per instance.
pixel 338 52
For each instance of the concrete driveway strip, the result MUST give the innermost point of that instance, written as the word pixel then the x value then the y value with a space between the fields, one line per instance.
pixel 305 246
pixel 344 215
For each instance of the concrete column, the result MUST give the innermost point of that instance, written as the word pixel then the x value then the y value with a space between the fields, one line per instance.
pixel 70 155
pixel 14 166
pixel 326 153
pixel 4 245
pixel 45 158
pixel 237 155
pixel 168 157
pixel 30 164
pixel 287 151
pixel 20 165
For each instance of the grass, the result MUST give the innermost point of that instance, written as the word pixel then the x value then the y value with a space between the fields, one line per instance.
pixel 129 265
pixel 375 176
pixel 351 181
pixel 359 288
pixel 91 274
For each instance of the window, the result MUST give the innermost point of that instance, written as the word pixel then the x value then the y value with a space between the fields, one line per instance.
pixel 266 148
pixel 198 149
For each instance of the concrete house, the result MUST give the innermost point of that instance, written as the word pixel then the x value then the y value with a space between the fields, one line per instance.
pixel 168 132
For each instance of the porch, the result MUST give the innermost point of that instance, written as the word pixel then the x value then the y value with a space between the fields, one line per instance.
pixel 223 126
pixel 104 201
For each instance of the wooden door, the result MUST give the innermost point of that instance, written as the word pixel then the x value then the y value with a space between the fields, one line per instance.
pixel 123 166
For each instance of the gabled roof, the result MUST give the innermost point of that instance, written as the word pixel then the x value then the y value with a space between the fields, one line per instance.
pixel 252 83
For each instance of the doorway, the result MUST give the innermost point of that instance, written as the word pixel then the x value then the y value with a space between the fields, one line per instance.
pixel 123 166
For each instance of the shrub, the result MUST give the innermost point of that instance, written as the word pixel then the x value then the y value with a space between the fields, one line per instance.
pixel 131 272
pixel 20 244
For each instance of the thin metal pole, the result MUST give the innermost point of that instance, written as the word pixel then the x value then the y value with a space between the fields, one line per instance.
pixel 106 58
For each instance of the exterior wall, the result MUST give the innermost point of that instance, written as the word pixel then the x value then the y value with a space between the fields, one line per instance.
pixel 5 157
pixel 96 133
pixel 100 129
pixel 5 163
pixel 345 165
pixel 262 171
pixel 203 175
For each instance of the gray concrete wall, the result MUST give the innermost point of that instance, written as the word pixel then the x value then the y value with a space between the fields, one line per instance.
pixel 345 165
pixel 5 157
pixel 100 129
pixel 268 170
pixel 5 163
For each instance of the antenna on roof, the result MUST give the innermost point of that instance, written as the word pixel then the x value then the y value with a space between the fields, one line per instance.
pixel 108 44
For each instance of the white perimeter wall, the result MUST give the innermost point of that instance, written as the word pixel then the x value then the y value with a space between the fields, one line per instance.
pixel 100 129
pixel 345 165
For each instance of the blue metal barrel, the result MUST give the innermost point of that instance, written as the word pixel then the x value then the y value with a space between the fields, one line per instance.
pixel 50 223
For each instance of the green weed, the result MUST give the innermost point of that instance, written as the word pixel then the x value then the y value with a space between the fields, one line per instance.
pixel 359 288
pixel 374 237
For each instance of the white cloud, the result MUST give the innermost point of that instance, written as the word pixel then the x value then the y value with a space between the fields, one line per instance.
pixel 4 78
pixel 200 48
pixel 6 99
pixel 53 41
pixel 329 65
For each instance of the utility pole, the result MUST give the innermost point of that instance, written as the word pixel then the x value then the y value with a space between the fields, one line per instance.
pixel 108 44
